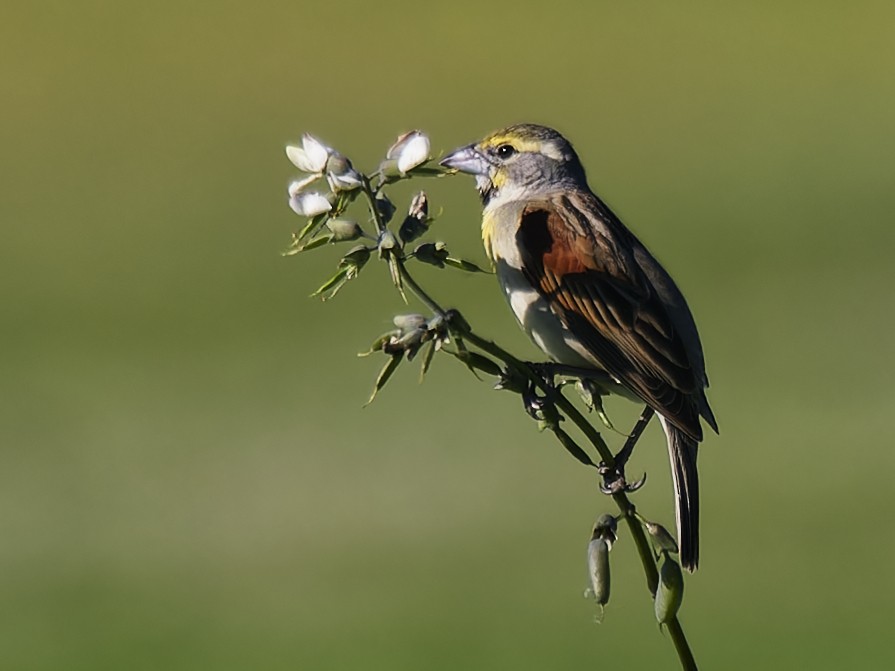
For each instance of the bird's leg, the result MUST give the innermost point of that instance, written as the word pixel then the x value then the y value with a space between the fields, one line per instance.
pixel 614 478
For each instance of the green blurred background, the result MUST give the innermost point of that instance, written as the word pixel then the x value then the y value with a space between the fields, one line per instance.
pixel 187 477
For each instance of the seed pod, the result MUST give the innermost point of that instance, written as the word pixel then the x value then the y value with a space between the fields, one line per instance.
pixel 598 569
pixel 671 590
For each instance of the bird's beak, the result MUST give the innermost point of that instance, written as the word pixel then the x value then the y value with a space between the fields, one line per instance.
pixel 467 159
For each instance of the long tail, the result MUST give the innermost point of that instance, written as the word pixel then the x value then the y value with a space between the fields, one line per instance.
pixel 682 453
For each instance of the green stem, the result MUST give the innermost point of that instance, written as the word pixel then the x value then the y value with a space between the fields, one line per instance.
pixel 416 289
pixel 371 202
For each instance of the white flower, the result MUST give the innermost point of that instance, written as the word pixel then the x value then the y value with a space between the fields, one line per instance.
pixel 410 150
pixel 308 204
pixel 311 156
pixel 300 184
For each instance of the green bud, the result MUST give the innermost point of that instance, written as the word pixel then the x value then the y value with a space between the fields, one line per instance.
pixel 411 229
pixel 671 590
pixel 409 322
pixel 355 259
pixel 433 253
pixel 387 242
pixel 344 230
pixel 385 207
pixel 662 539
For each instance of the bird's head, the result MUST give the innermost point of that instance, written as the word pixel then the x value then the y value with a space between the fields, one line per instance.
pixel 519 162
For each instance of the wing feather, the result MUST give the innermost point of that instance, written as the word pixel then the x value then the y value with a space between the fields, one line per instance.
pixel 582 261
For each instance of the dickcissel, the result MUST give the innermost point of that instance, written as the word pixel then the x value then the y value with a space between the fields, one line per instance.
pixel 589 294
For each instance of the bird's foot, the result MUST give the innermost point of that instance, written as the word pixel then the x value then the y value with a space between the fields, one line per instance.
pixel 546 371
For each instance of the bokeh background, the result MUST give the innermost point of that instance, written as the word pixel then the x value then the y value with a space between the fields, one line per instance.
pixel 187 477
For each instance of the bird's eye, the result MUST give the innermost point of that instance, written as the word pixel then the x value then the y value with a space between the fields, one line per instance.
pixel 504 151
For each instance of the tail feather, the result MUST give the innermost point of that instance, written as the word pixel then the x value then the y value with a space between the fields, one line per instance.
pixel 682 451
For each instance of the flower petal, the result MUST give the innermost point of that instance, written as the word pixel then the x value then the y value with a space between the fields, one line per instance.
pixel 309 204
pixel 299 184
pixel 299 158
pixel 316 151
pixel 414 152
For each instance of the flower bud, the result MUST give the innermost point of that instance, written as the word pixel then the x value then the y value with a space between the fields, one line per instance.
pixel 309 204
pixel 341 175
pixel 356 258
pixel 410 150
pixel 662 539
pixel 409 322
pixel 433 253
pixel 387 242
pixel 311 156
pixel 385 207
pixel 344 230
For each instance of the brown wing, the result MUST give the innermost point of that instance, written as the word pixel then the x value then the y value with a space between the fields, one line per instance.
pixel 582 260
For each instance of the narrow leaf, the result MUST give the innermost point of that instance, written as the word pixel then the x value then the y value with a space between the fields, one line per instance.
pixel 331 282
pixel 468 266
pixel 427 359
pixel 395 272
pixel 572 447
pixel 385 374
pixel 379 343
pixel 312 244
pixel 313 225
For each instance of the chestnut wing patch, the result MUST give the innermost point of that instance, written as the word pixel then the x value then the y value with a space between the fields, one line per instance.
pixel 597 290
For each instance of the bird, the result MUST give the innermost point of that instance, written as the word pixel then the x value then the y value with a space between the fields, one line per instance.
pixel 590 294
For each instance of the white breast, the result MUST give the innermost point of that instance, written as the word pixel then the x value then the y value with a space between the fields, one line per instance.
pixel 537 319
